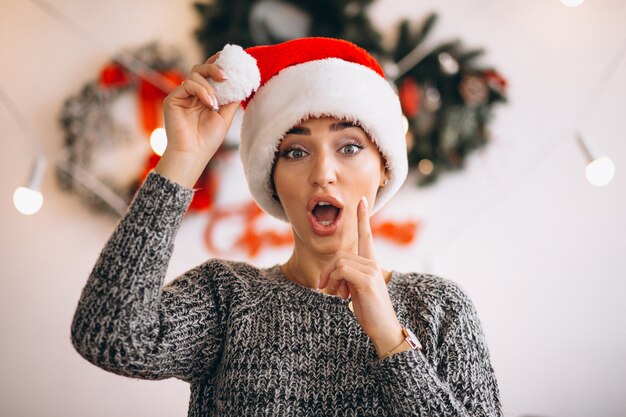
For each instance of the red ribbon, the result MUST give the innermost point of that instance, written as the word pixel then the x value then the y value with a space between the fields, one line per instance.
pixel 251 239
pixel 151 101
pixel 401 233
pixel 114 75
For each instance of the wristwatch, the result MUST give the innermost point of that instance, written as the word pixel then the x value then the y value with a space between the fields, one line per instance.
pixel 410 338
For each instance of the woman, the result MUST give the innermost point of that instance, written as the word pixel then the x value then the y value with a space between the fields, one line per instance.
pixel 329 332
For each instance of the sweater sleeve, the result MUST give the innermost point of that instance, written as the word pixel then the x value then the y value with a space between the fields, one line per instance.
pixel 462 384
pixel 125 322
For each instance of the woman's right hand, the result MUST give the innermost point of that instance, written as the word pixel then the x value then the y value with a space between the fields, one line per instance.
pixel 195 129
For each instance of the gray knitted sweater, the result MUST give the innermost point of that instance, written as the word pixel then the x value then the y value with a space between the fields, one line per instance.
pixel 250 342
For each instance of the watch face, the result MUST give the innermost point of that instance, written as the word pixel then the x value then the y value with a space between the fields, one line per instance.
pixel 411 339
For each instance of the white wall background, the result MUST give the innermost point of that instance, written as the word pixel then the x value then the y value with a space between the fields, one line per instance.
pixel 540 251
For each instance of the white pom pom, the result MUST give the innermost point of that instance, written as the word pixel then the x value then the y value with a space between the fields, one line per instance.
pixel 243 75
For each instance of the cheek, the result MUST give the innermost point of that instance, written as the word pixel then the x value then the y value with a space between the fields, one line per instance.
pixel 288 186
pixel 281 185
pixel 364 175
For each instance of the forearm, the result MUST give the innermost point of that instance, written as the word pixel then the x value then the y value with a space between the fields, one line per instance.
pixel 117 319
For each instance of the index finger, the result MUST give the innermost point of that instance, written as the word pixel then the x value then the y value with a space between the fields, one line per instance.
pixel 365 241
pixel 213 58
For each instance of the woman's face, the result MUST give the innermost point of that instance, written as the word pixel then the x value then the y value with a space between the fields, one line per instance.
pixel 323 168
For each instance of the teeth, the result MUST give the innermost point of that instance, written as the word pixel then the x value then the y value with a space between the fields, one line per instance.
pixel 322 203
pixel 326 223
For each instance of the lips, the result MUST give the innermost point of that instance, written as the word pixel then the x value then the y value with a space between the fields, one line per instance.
pixel 324 212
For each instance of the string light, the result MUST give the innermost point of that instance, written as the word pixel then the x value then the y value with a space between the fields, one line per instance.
pixel 28 200
pixel 158 141
pixel 599 170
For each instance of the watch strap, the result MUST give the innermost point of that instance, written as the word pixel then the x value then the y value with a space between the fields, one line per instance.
pixel 409 338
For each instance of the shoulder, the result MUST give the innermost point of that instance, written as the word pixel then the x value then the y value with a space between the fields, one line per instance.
pixel 229 286
pixel 425 285
pixel 434 295
pixel 219 275
pixel 440 308
pixel 231 269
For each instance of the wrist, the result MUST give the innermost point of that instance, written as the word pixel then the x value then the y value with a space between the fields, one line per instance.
pixel 409 342
pixel 181 168
pixel 391 342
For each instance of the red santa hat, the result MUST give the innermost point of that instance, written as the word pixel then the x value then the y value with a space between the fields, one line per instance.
pixel 281 85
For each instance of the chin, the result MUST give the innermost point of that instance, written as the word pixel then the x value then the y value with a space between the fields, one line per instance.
pixel 327 245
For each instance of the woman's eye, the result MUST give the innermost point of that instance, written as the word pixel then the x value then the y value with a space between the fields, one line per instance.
pixel 294 153
pixel 351 149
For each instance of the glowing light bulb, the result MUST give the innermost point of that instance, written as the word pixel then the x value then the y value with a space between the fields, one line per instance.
pixel 425 166
pixel 449 65
pixel 600 171
pixel 27 201
pixel 572 3
pixel 405 124
pixel 158 141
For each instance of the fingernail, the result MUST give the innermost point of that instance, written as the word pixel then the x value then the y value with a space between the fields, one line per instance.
pixel 216 105
pixel 364 200
pixel 223 74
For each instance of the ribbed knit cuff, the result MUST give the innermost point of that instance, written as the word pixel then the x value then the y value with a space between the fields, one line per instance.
pixel 160 202
pixel 402 374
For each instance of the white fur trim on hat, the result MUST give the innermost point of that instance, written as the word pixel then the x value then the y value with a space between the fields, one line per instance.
pixel 242 72
pixel 326 87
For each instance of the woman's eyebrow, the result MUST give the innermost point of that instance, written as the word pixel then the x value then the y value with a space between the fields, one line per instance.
pixel 335 127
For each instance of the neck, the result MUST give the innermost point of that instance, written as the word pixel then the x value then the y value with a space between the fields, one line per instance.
pixel 305 268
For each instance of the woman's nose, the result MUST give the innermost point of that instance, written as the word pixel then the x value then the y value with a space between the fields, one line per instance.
pixel 323 171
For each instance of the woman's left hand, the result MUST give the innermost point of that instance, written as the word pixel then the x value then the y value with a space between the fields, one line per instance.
pixel 360 277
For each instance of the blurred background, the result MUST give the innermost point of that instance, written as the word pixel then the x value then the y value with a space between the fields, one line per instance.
pixel 506 102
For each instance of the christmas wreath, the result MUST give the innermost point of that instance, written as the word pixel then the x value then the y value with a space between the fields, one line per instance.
pixel 106 160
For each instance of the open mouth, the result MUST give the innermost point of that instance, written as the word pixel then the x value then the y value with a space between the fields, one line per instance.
pixel 324 214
